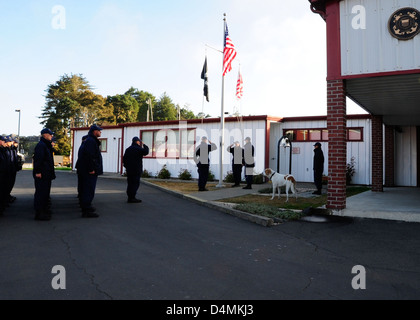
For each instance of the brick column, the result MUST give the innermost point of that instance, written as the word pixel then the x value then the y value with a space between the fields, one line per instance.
pixel 377 155
pixel 389 156
pixel 337 144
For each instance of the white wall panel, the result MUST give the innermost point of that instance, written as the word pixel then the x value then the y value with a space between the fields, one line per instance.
pixel 373 49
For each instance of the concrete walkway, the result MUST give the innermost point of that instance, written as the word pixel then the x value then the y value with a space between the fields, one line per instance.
pixel 401 203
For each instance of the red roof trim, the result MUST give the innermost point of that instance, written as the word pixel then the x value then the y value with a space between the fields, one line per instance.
pixel 321 118
pixel 192 121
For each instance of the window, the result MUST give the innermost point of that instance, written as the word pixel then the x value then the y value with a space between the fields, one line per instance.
pixel 355 134
pixel 315 135
pixel 104 145
pixel 170 143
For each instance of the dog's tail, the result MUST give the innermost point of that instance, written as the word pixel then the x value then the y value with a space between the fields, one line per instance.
pixel 293 185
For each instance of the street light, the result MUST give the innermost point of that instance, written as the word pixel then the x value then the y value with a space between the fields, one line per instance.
pixel 18 110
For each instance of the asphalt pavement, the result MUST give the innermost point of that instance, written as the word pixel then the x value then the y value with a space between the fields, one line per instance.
pixel 169 248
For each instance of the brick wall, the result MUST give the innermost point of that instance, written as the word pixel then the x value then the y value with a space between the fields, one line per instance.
pixel 389 156
pixel 377 154
pixel 337 144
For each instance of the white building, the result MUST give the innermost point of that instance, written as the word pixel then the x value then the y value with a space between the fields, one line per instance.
pixel 172 143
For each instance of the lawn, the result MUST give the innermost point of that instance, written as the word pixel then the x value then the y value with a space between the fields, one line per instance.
pixel 299 204
pixel 183 187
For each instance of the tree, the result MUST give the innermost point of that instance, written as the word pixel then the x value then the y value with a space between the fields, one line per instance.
pixel 71 103
pixel 187 114
pixel 142 97
pixel 125 108
pixel 164 109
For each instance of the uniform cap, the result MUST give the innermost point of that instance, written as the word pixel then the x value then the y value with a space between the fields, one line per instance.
pixel 135 139
pixel 317 144
pixel 47 131
pixel 95 127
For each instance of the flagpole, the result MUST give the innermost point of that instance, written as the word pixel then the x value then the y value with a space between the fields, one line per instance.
pixel 222 119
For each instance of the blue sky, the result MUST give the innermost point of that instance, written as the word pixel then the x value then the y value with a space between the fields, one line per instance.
pixel 159 46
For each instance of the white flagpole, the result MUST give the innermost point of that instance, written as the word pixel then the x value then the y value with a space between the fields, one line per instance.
pixel 222 118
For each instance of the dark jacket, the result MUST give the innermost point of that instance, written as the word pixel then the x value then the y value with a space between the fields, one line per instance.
pixel 318 160
pixel 90 156
pixel 237 153
pixel 4 162
pixel 133 158
pixel 248 154
pixel 44 160
pixel 202 153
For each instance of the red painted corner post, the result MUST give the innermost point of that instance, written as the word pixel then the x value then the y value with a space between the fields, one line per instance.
pixel 337 144
pixel 377 154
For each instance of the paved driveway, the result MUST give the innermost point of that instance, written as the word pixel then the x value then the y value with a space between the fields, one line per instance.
pixel 168 248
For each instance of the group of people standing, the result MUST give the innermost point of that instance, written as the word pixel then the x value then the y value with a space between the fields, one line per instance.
pixel 10 163
pixel 241 157
pixel 89 166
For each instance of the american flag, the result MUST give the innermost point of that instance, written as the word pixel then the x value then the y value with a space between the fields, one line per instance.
pixel 239 86
pixel 229 53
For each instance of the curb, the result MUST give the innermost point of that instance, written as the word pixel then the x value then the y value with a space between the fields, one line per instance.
pixel 263 221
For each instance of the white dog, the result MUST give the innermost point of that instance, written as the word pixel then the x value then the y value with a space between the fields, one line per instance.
pixel 279 180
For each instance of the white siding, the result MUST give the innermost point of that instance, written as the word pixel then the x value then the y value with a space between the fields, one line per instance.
pixel 406 157
pixel 233 131
pixel 110 158
pixel 373 49
pixel 302 163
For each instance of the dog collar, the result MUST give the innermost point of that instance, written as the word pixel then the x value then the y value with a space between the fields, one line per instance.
pixel 272 175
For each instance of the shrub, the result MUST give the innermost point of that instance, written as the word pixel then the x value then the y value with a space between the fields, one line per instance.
pixel 350 170
pixel 211 176
pixel 164 173
pixel 229 177
pixel 258 179
pixel 184 174
pixel 146 174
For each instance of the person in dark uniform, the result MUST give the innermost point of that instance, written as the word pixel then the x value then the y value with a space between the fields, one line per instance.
pixel 4 172
pixel 11 156
pixel 43 173
pixel 133 163
pixel 236 151
pixel 248 162
pixel 203 161
pixel 318 168
pixel 90 167
pixel 79 177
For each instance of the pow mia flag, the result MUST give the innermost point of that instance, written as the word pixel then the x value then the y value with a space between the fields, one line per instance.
pixel 205 78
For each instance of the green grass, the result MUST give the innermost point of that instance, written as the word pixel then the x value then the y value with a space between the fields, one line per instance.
pixel 293 204
pixel 63 169
pixel 268 211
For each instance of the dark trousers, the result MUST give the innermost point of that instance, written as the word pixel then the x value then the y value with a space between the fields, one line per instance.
pixel 133 184
pixel 237 173
pixel 88 185
pixel 42 194
pixel 4 197
pixel 79 186
pixel 249 178
pixel 12 180
pixel 318 180
pixel 203 175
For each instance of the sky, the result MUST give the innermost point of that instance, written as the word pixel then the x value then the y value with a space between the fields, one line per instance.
pixel 160 46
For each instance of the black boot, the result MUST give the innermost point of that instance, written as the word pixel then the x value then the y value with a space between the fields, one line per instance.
pixel 89 213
